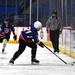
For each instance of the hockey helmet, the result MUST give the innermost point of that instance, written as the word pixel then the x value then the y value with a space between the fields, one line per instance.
pixel 38 25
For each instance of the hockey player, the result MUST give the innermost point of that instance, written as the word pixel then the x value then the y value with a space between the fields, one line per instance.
pixel 5 32
pixel 29 37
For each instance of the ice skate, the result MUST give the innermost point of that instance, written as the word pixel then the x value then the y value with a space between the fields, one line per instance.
pixel 33 62
pixel 11 61
pixel 3 50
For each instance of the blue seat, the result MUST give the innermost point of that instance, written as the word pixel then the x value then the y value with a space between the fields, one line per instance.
pixel 2 9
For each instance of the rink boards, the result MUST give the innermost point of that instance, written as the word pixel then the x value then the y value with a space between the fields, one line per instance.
pixel 66 40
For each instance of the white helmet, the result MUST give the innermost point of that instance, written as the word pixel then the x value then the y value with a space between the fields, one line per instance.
pixel 37 24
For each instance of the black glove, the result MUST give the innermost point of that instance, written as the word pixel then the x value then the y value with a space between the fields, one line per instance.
pixel 15 37
pixel 47 31
pixel 41 44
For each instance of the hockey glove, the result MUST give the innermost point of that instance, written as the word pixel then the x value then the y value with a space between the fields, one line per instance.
pixel 41 44
pixel 0 35
pixel 47 31
pixel 15 37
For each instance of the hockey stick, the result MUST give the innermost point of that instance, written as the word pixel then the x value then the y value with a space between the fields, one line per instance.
pixel 56 55
pixel 59 57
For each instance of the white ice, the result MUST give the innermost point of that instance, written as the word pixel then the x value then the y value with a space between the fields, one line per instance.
pixel 49 64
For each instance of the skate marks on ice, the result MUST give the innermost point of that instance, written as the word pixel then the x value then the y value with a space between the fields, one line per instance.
pixel 49 64
pixel 3 53
pixel 41 69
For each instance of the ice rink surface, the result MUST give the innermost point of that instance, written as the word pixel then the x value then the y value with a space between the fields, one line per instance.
pixel 49 64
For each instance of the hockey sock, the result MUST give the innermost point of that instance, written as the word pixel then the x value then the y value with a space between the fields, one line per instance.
pixel 4 43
